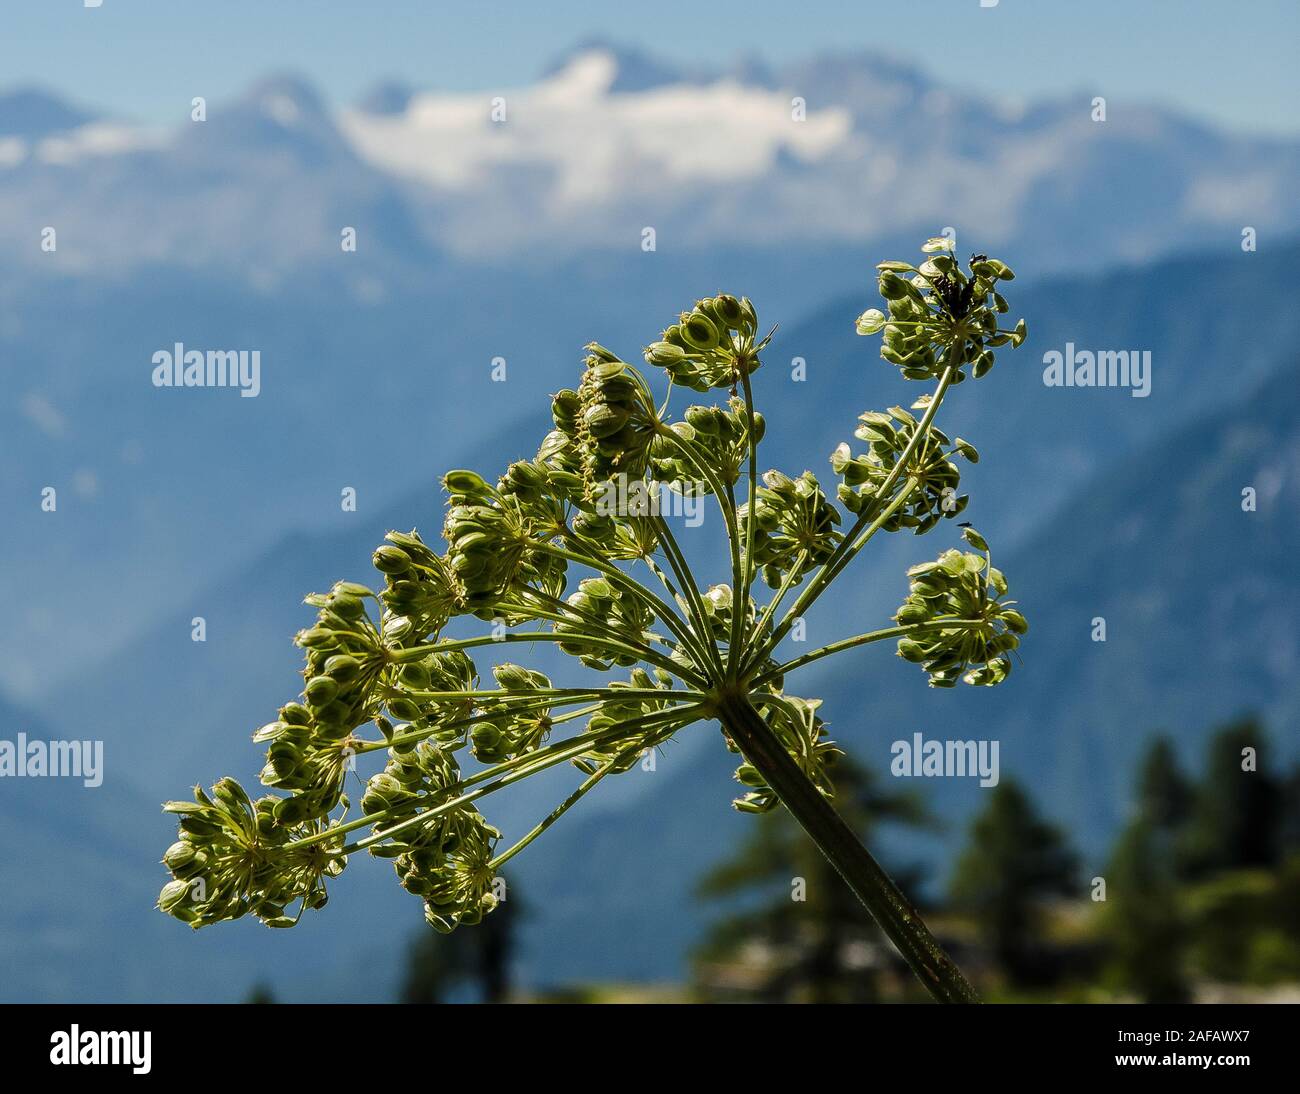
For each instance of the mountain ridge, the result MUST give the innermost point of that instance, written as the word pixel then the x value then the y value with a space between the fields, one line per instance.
pixel 890 146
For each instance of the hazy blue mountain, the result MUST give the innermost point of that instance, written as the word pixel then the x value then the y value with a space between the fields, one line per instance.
pixel 367 382
pixel 32 114
pixel 841 148
pixel 853 147
pixel 1096 504
pixel 387 97
pixel 833 147
pixel 1199 599
pixel 227 234
pixel 1038 444
pixel 635 69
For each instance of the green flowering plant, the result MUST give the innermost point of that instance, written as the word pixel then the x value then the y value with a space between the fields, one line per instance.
pixel 543 555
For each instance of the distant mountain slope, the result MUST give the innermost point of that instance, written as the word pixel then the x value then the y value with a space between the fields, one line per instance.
pixel 835 147
pixel 1199 597
pixel 1199 600
pixel 477 241
pixel 32 114
pixel 371 377
pixel 1038 444
pixel 1086 514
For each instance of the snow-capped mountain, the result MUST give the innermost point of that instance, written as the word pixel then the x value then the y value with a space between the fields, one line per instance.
pixel 609 142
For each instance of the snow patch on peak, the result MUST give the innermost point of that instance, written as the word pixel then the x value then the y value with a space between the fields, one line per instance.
pixel 595 145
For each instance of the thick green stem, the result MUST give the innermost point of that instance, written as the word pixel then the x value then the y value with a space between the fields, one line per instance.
pixel 580 695
pixel 883 899
pixel 518 768
pixel 415 736
pixel 756 634
pixel 618 644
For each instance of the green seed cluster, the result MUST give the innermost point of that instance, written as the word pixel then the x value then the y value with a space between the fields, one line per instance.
pixel 445 860
pixel 613 422
pixel 232 850
pixel 793 521
pixel 299 761
pixel 422 592
pixel 961 586
pixel 490 535
pixel 461 880
pixel 310 743
pixel 600 607
pixel 345 654
pixel 719 437
pixel 507 732
pixel 719 603
pixel 710 346
pixel 590 523
pixel 941 315
pixel 232 860
pixel 803 733
pixel 432 673
pixel 414 775
pixel 930 463
pixel 619 753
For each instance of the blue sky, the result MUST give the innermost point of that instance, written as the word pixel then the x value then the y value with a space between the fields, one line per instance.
pixel 1232 63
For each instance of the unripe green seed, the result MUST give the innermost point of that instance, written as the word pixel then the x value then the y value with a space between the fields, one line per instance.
pixel 321 690
pixel 464 482
pixel 416 677
pixel 174 894
pixel 699 332
pixel 342 668
pixel 179 855
pixel 1016 623
pixel 351 588
pixel 604 420
pixel 910 650
pixel 728 309
pixel 391 560
pixel 347 607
